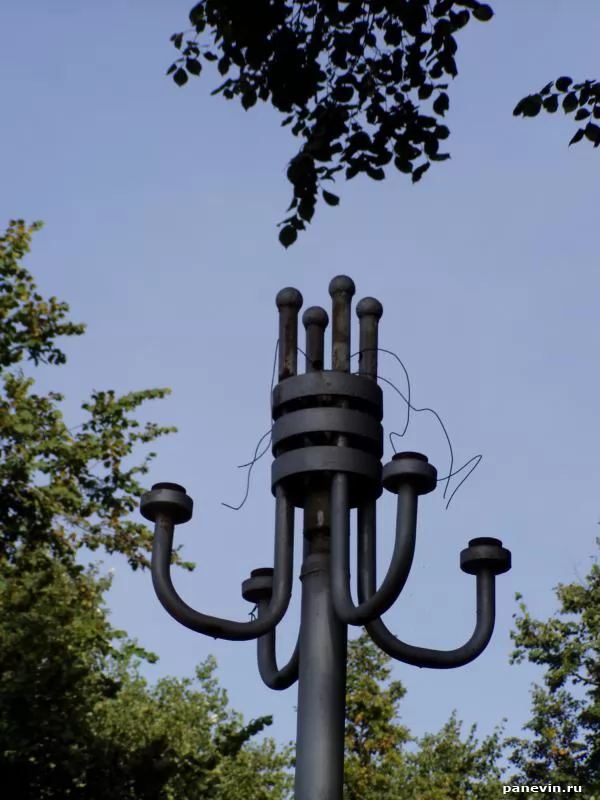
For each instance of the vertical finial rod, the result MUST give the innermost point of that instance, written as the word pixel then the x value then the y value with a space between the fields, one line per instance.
pixel 289 302
pixel 342 291
pixel 315 320
pixel 368 311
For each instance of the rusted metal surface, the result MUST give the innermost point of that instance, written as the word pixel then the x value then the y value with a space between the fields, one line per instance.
pixel 315 321
pixel 342 290
pixel 289 302
pixel 369 312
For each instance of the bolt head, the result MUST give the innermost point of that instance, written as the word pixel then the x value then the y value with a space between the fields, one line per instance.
pixel 485 553
pixel 169 499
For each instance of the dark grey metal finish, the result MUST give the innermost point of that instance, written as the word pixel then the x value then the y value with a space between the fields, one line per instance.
pixel 216 626
pixel 323 388
pixel 322 687
pixel 387 594
pixel 327 443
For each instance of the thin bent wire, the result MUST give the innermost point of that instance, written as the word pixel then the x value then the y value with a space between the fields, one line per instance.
pixel 475 460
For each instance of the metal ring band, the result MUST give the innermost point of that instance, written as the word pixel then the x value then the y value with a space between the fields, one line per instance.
pixel 294 468
pixel 325 420
pixel 327 382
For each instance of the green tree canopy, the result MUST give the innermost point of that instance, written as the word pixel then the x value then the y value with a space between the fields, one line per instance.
pixel 77 719
pixel 385 762
pixel 564 746
pixel 67 487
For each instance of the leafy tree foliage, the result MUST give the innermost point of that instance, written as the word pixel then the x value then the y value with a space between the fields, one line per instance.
pixel 66 487
pixel 582 100
pixel 363 83
pixel 77 720
pixel 374 736
pixel 384 761
pixel 564 747
pixel 444 766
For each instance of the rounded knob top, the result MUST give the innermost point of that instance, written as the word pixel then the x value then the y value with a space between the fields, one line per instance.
pixel 369 307
pixel 315 315
pixel 342 283
pixel 289 298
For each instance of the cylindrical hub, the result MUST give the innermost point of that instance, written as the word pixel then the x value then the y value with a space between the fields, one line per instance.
pixel 328 420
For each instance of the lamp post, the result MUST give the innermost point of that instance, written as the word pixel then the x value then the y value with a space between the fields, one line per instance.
pixel 327 442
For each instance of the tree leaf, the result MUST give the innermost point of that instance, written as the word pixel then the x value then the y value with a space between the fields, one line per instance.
pixel 529 106
pixel 249 99
pixel 562 84
pixel 578 136
pixel 193 66
pixel 420 171
pixel 483 13
pixel 330 198
pixel 441 104
pixel 288 235
pixel 180 77
pixel 177 40
pixel 376 173
pixel 570 103
pixel 592 132
pixel 551 103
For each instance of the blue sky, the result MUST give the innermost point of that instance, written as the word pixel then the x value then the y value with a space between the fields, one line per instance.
pixel 160 207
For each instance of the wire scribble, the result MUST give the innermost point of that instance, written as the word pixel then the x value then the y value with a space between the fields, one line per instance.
pixel 475 460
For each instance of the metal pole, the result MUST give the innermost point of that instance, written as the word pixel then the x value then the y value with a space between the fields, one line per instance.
pixel 323 637
pixel 322 678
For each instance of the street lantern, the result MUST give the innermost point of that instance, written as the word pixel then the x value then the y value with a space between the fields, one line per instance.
pixel 327 443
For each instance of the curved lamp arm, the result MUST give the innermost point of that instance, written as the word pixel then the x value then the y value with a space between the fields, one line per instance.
pixel 407 475
pixel 485 558
pixel 377 602
pixel 167 505
pixel 271 675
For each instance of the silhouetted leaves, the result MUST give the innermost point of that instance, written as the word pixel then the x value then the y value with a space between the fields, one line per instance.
pixel 530 106
pixel 578 137
pixel 562 84
pixel 361 84
pixel 570 103
pixel 331 199
pixel 193 66
pixel 483 12
pixel 581 99
pixel 180 77
pixel 550 103
pixel 592 132
pixel 288 235
pixel 419 172
pixel 441 104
